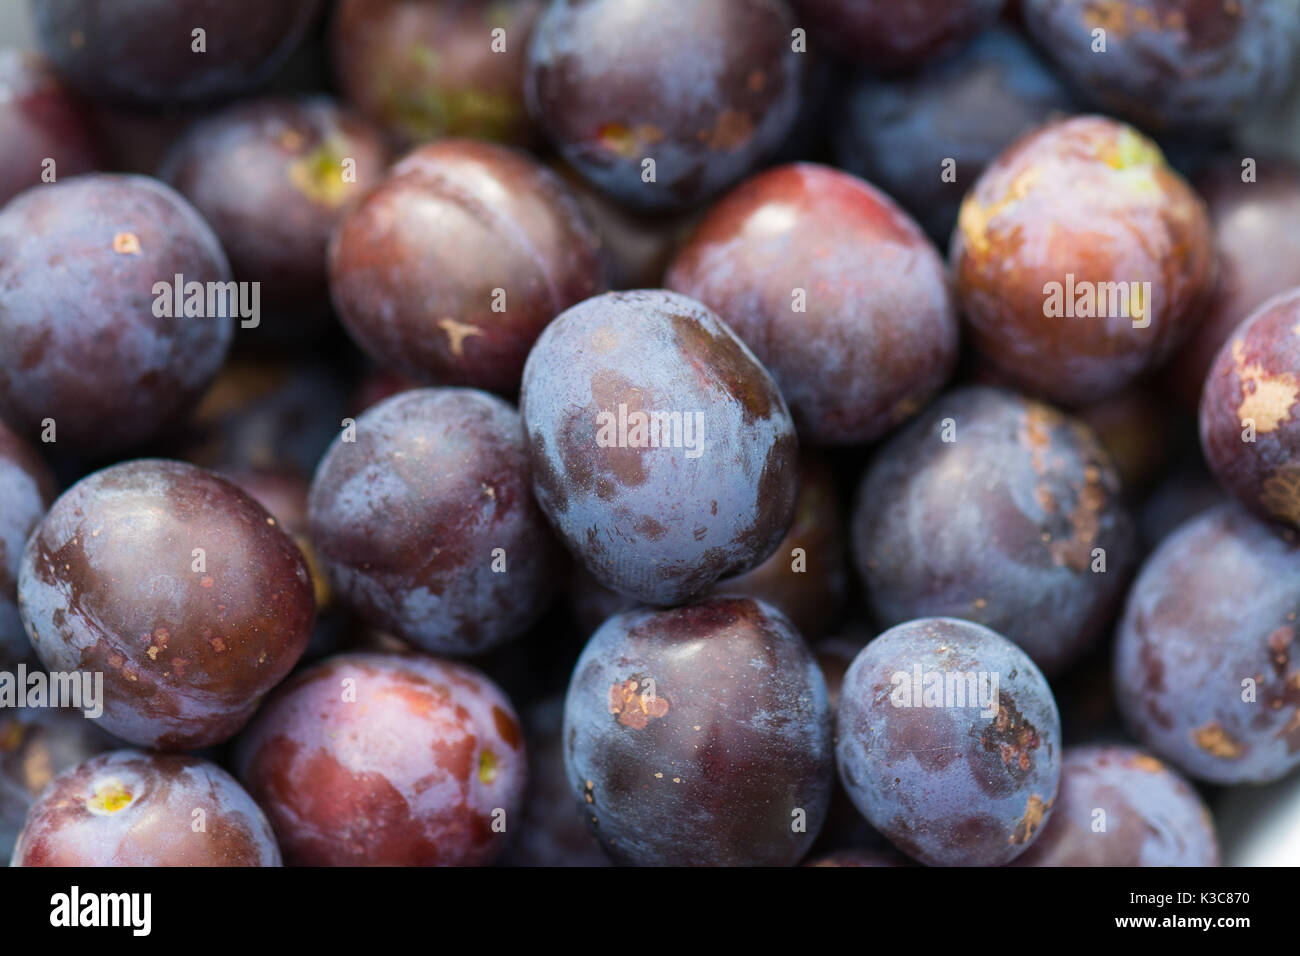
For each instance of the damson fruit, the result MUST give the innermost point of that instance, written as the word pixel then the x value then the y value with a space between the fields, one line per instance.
pixel 699 736
pixel 450 267
pixel 178 587
pixel 886 35
pixel 425 522
pixel 661 449
pixel 40 121
pixel 1257 237
pixel 273 178
pixel 924 137
pixel 1000 510
pixel 836 290
pixel 664 106
pixel 1120 806
pixel 1172 64
pixel 1249 428
pixel 1206 669
pixel 147 53
pixel 26 490
pixel 388 760
pixel 35 744
pixel 88 270
pixel 948 741
pixel 430 70
pixel 128 808
pixel 1082 259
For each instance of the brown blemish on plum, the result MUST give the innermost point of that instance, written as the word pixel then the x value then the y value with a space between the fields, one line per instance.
pixel 1266 399
pixel 507 727
pixel 1145 763
pixel 1217 742
pixel 457 333
pixel 1035 811
pixel 719 358
pixel 732 131
pixel 1280 495
pixel 1012 737
pixel 634 708
pixel 975 218
pixel 126 244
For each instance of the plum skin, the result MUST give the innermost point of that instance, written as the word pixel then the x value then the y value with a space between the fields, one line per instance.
pixel 693 735
pixel 886 36
pixel 429 71
pixel 267 175
pixel 407 520
pixel 1153 817
pixel 26 491
pixel 1172 64
pixel 1127 218
pixel 877 292
pixel 948 785
pixel 897 132
pixel 1254 383
pixel 127 808
pixel 140 52
pixel 447 270
pixel 78 262
pixel 1257 241
pixel 998 526
pixel 36 743
pixel 1188 641
pixel 651 522
pixel 614 83
pixel 39 119
pixel 383 759
pixel 109 584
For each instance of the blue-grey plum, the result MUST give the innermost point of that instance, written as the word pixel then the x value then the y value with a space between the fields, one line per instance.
pixel 1172 64
pixel 948 741
pixel 1120 806
pixel 1001 510
pixel 92 348
pixel 900 132
pixel 661 449
pixel 1206 668
pixel 425 522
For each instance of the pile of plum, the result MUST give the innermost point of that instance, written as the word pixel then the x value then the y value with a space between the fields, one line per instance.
pixel 727 432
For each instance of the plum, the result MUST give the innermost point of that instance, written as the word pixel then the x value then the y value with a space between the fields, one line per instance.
pixel 447 270
pixel 699 735
pixel 128 808
pixel 88 269
pixel 662 451
pixel 948 740
pixel 388 760
pixel 176 586
pixel 426 525
pixel 836 290
pixel 663 106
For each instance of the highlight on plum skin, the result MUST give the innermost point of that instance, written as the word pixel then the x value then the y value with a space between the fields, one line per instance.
pixel 129 808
